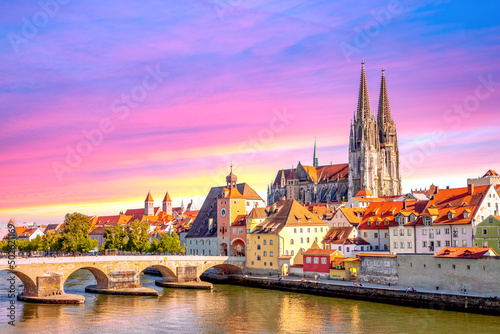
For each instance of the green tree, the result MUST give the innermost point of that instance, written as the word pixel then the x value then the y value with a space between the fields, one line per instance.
pixel 75 232
pixel 138 236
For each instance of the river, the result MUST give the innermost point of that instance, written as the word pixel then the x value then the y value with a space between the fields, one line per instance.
pixel 228 309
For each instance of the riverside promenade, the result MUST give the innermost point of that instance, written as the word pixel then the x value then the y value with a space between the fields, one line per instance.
pixel 397 295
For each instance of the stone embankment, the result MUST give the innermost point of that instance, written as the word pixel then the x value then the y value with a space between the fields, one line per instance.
pixel 439 301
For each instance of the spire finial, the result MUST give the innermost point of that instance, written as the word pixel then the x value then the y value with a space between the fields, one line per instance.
pixel 363 110
pixel 383 71
pixel 315 158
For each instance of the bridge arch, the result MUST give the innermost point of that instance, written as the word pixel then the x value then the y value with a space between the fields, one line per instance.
pixel 227 268
pixel 166 272
pixel 30 287
pixel 100 276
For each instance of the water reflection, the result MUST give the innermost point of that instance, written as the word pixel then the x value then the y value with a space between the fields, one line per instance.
pixel 229 309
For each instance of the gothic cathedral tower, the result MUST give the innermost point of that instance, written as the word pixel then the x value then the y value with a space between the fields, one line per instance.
pixel 373 147
pixel 388 173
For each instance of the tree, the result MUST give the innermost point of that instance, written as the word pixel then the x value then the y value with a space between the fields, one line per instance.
pixel 75 232
pixel 138 236
pixel 170 244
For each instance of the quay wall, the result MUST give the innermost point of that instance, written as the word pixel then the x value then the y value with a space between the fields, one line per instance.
pixel 439 301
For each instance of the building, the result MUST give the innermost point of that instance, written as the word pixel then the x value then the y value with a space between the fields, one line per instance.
pixel 402 235
pixel 98 234
pixel 31 233
pixel 379 269
pixel 451 217
pixel 488 233
pixel 345 269
pixel 319 261
pixel 346 217
pixel 210 233
pixel 373 160
pixel 345 240
pixel 288 230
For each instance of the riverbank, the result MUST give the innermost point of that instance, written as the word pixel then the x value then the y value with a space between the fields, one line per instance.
pixel 442 300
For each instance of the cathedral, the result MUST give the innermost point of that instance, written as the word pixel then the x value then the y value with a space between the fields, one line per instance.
pixel 373 160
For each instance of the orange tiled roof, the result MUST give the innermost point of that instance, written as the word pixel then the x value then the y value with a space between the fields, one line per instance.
pixel 258 213
pixel 364 193
pixel 232 193
pixel 332 172
pixel 337 235
pixel 288 213
pixel 320 252
pixel 490 173
pixel 381 215
pixel 149 198
pixel 456 201
pixel 167 198
pixel 465 252
pixel 353 215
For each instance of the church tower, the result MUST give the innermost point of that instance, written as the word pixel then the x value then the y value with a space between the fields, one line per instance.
pixel 315 157
pixel 388 171
pixel 364 145
pixel 167 204
pixel 149 205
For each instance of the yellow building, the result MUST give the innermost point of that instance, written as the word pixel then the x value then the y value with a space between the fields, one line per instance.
pixel 288 230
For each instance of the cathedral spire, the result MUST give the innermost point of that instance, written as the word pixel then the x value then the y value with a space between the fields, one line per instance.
pixel 363 110
pixel 315 158
pixel 384 112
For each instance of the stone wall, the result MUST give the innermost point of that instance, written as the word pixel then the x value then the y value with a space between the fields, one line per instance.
pixel 427 271
pixel 378 269
pixel 441 301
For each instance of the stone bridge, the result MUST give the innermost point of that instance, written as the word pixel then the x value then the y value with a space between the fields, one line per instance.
pixel 45 277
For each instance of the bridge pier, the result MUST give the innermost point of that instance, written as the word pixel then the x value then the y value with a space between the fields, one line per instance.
pixel 187 277
pixel 124 282
pixel 49 290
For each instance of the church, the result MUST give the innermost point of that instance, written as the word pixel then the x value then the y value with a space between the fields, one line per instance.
pixel 373 160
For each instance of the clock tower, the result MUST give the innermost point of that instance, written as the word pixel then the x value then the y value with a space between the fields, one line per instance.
pixel 230 204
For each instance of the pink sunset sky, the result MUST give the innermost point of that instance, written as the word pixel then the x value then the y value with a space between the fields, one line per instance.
pixel 247 82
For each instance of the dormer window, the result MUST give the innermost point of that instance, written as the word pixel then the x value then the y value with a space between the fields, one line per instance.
pixel 386 223
pixel 378 223
pixel 369 223
pixel 466 214
pixel 450 215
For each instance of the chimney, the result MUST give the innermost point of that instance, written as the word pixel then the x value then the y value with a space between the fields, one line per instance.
pixel 437 189
pixel 404 205
pixel 470 188
pixel 447 187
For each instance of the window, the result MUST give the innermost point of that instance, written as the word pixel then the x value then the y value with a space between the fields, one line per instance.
pixel 240 231
pixel 424 232
pixel 464 243
pixel 453 266
pixel 438 231
pixel 301 240
pixel 447 243
pixel 491 220
pixel 386 235
pixel 271 253
pixel 315 230
pixel 307 240
pixel 270 264
pixel 395 233
pixel 294 230
pixel 292 252
pixel 439 265
pixel 395 245
pixel 291 241
pixel 375 235
pixel 316 239
pixel 327 246
pixel 409 245
pixel 234 230
pixel 438 243
pixel 308 230
pixel 347 250
pixel 316 260
pixel 464 230
pixel 265 263
pixel 365 234
pixel 271 241
pixel 265 254
pixel 402 245
pixel 264 242
pixel 301 231
pixel 402 232
pixel 258 247
pixel 323 260
pixel 308 259
pixel 408 232
pixel 446 231
pixel 424 244
pixel 485 231
pixel 485 243
pixel 258 257
pixel 468 268
pixel 321 229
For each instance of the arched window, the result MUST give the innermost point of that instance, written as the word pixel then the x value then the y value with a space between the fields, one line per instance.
pixel 291 241
pixel 265 253
pixel 292 253
pixel 258 246
pixel 258 257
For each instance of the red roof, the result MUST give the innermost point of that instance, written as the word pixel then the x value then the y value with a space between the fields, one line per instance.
pixel 465 252
pixel 364 193
pixel 166 198
pixel 490 173
pixel 149 198
pixel 329 252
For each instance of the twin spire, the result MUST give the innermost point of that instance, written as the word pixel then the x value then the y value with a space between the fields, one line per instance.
pixel 364 111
